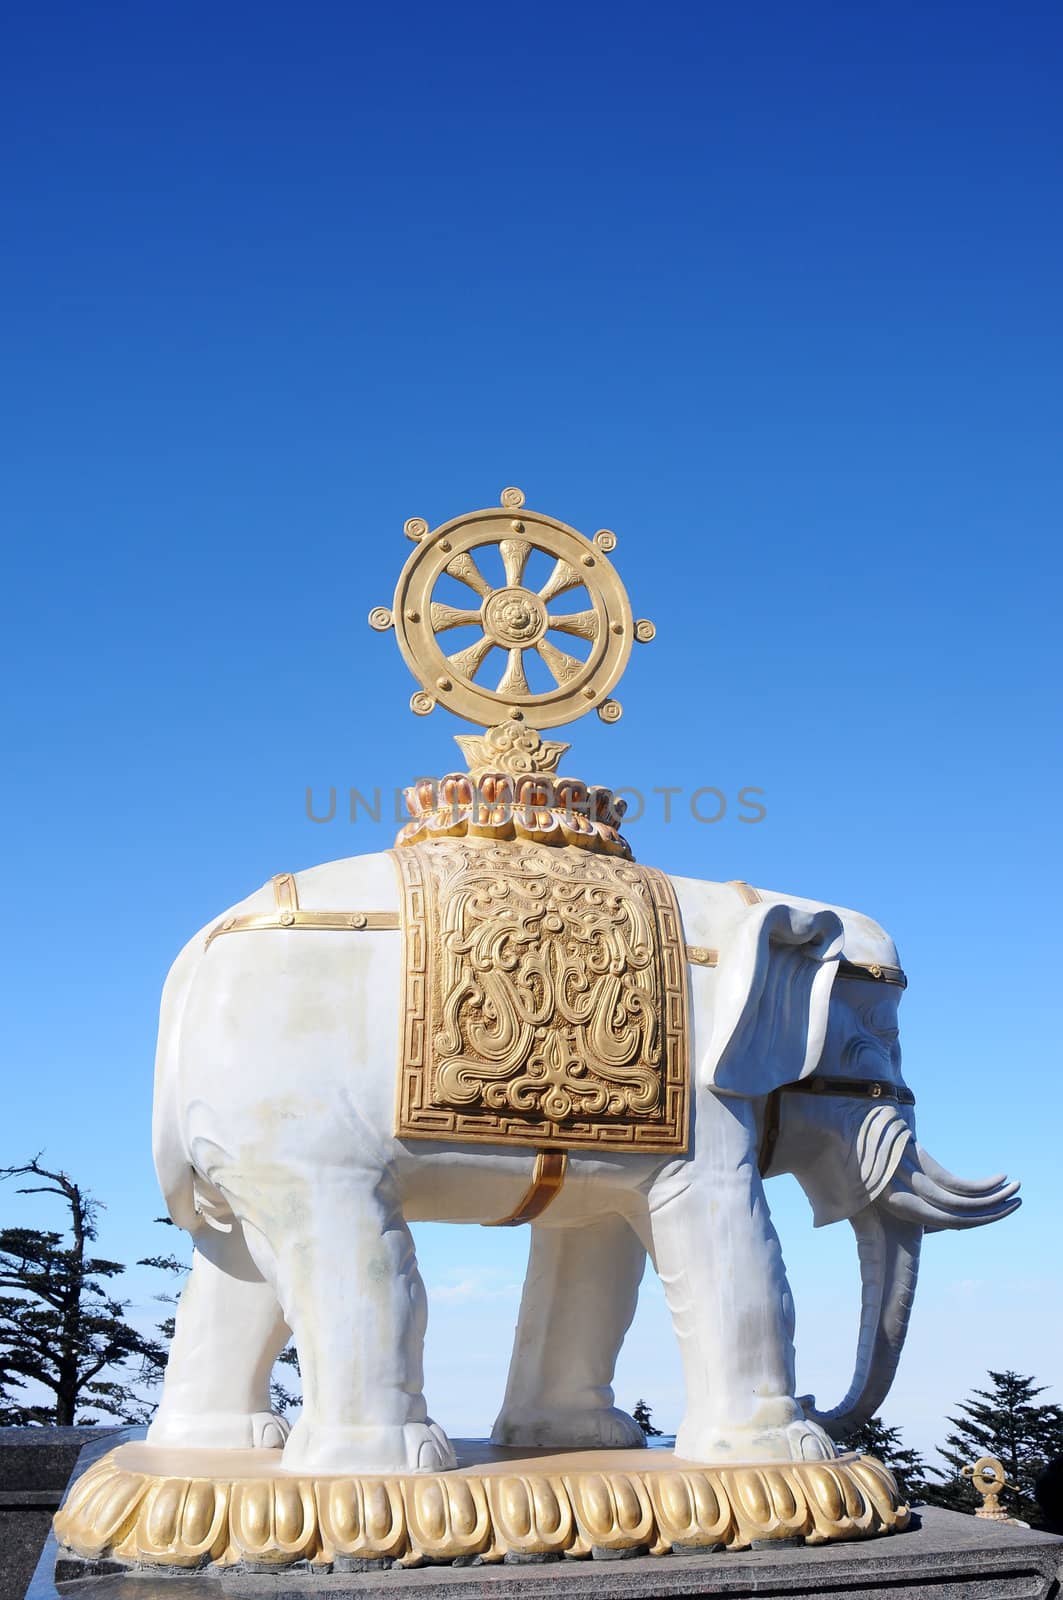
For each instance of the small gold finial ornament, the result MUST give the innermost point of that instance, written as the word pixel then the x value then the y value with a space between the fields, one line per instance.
pixel 579 648
pixel 989 1479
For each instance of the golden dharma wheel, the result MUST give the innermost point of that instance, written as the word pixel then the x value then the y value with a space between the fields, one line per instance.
pixel 509 618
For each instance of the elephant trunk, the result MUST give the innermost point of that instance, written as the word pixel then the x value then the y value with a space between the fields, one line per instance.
pixel 889 1267
pixel 919 1197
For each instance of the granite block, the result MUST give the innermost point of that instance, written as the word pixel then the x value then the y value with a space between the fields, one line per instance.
pixel 35 1465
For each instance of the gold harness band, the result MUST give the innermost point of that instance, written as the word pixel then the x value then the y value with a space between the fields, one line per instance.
pixel 339 921
pixel 289 915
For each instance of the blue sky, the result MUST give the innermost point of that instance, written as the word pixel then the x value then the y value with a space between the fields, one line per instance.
pixel 771 291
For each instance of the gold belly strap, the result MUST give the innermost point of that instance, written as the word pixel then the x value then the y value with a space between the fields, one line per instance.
pixel 548 1175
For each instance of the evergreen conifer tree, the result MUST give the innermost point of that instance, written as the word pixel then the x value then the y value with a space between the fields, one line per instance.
pixel 1004 1421
pixel 59 1326
pixel 643 1415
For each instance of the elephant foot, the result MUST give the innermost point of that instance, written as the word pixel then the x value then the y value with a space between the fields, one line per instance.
pixel 716 1443
pixel 409 1447
pixel 219 1430
pixel 568 1428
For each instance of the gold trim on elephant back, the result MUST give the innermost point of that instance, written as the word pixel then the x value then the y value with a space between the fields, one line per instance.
pixel 545 999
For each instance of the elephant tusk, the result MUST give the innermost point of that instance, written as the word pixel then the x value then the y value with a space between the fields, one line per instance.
pixel 911 1174
pixel 927 1189
pixel 910 1207
pixel 953 1185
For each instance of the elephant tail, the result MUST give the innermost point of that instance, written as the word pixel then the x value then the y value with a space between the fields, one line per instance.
pixel 173 1166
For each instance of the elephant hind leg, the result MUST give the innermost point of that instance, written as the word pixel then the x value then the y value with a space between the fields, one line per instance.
pixel 579 1298
pixel 228 1331
pixel 344 1268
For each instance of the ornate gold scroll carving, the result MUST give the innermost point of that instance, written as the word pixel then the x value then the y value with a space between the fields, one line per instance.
pixel 545 999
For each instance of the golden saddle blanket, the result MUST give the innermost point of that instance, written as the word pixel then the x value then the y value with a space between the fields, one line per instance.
pixel 545 999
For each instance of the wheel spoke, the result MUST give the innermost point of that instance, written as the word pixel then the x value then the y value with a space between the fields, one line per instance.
pixel 468 662
pixel 563 667
pixel 464 568
pixel 444 617
pixel 513 680
pixel 582 623
pixel 561 579
pixel 515 553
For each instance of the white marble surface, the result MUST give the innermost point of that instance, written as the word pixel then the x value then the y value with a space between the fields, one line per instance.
pixel 275 1146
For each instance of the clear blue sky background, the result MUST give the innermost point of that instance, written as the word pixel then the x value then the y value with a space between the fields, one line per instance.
pixel 774 292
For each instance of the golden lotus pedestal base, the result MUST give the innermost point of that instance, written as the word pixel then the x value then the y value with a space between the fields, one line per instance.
pixel 154 1507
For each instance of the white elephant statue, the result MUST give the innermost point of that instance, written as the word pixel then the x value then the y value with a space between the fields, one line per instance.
pixel 275 1146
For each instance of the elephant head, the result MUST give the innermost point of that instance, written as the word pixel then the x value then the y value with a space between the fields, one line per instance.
pixel 815 1035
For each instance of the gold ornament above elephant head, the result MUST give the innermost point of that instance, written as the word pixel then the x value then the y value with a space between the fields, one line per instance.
pixel 513 790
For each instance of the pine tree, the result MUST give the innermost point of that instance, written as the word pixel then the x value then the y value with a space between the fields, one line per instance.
pixel 643 1415
pixel 60 1327
pixel 282 1399
pixel 873 1438
pixel 1004 1421
pixel 153 1367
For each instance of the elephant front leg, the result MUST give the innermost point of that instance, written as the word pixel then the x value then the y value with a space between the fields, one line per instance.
pixel 579 1297
pixel 228 1331
pixel 719 1261
pixel 346 1274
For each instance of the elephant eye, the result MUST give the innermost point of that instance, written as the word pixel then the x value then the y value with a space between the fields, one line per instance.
pixel 864 1054
pixel 874 1019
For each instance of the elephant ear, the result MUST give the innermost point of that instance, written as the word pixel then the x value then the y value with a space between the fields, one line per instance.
pixel 773 991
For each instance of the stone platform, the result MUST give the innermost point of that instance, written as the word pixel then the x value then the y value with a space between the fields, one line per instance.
pixel 35 1467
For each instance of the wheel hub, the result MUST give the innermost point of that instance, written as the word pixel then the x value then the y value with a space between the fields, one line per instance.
pixel 513 618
